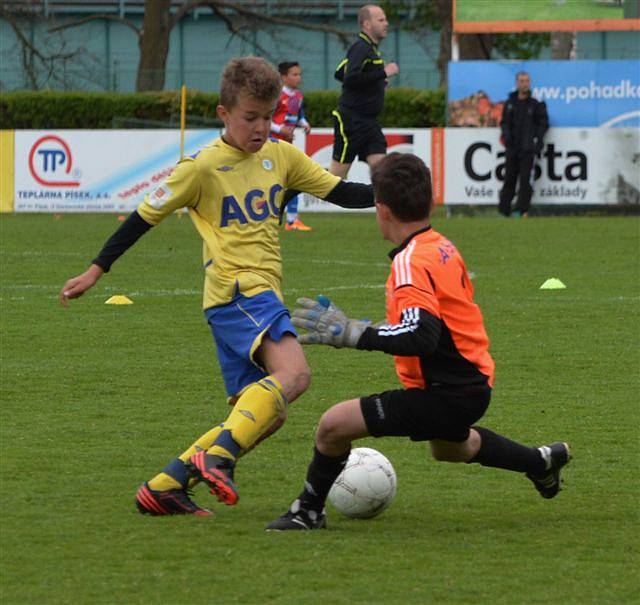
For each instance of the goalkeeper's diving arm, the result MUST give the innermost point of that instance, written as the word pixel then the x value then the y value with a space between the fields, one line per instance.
pixel 418 334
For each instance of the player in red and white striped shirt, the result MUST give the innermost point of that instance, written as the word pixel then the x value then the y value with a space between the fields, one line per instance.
pixel 289 115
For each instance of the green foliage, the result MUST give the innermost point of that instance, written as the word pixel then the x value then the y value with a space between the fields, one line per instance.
pixel 97 398
pixel 403 107
pixel 407 107
pixel 96 110
pixel 318 105
pixel 523 47
pixel 412 15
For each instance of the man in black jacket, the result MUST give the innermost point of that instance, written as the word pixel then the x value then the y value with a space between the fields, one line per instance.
pixel 524 122
pixel 364 77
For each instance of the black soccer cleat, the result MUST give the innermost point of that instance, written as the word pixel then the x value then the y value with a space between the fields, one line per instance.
pixel 555 456
pixel 298 518
pixel 169 502
pixel 217 473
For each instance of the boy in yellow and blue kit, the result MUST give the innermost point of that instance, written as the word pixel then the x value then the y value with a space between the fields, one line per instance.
pixel 233 189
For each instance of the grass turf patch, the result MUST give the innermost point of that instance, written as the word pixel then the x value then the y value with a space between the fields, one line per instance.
pixel 98 398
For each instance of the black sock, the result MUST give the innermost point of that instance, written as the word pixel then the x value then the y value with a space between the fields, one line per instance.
pixel 500 452
pixel 321 474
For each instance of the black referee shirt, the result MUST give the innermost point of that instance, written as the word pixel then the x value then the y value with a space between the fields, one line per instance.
pixel 363 79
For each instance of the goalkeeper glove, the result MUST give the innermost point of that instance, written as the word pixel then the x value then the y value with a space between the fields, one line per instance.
pixel 326 324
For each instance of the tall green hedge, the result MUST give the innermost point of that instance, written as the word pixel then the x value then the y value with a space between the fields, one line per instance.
pixel 404 107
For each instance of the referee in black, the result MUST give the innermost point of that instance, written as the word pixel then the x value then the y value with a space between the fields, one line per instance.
pixel 364 77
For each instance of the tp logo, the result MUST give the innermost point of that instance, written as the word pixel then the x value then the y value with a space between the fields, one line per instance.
pixel 50 161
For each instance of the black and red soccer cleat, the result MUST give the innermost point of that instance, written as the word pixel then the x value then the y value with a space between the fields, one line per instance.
pixel 555 456
pixel 217 473
pixel 169 502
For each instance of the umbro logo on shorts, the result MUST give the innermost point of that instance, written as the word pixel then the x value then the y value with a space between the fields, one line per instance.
pixel 248 414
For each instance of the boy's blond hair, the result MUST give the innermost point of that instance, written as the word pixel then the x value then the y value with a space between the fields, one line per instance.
pixel 252 75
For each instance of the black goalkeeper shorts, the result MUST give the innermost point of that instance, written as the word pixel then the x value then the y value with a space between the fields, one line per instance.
pixel 356 136
pixel 441 412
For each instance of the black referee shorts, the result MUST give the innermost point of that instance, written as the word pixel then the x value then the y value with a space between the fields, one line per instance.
pixel 441 412
pixel 356 136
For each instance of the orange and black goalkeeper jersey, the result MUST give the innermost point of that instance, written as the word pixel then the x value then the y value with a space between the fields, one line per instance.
pixel 434 329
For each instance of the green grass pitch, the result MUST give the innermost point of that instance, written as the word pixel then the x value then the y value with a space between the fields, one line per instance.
pixel 98 398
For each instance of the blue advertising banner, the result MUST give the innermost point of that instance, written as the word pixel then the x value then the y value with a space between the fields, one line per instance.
pixel 577 93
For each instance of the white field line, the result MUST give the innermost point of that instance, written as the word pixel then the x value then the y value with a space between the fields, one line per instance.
pixel 27 253
pixel 165 292
pixel 196 292
pixel 35 253
pixel 351 263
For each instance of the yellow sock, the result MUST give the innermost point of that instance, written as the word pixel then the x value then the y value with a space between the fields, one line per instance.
pixel 163 482
pixel 256 410
pixel 173 476
pixel 203 443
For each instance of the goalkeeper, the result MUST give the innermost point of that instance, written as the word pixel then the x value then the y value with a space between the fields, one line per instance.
pixel 436 333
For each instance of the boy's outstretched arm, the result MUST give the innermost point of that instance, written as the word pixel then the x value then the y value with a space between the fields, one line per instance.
pixel 77 286
pixel 308 176
pixel 180 189
pixel 348 194
pixel 345 194
pixel 127 234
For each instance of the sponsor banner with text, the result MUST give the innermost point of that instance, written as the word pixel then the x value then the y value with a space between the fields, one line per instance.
pixel 577 93
pixel 576 166
pixel 111 171
pixel 318 145
pixel 95 170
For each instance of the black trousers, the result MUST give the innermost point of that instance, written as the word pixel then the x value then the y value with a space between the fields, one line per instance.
pixel 518 168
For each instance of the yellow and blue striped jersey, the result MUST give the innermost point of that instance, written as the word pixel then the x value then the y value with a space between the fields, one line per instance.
pixel 233 199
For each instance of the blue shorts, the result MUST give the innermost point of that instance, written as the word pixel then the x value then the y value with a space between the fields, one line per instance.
pixel 238 329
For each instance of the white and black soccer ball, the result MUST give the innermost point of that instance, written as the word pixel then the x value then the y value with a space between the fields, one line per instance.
pixel 366 486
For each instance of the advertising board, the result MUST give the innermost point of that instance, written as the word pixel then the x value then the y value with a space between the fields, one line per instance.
pixel 318 145
pixel 95 170
pixel 576 166
pixel 111 171
pixel 577 93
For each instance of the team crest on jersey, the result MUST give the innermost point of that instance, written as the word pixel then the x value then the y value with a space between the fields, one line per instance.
pixel 267 164
pixel 159 196
pixel 447 250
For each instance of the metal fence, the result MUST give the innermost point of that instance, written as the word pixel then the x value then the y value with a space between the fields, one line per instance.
pixel 337 8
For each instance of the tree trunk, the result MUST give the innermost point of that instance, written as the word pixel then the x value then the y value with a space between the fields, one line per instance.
pixel 475 47
pixel 444 9
pixel 561 45
pixel 154 45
